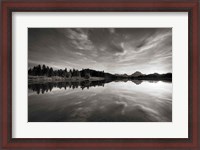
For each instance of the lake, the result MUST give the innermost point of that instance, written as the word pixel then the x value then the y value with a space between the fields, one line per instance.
pixel 123 101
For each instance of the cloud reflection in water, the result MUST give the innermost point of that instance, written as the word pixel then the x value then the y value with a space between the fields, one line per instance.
pixel 112 102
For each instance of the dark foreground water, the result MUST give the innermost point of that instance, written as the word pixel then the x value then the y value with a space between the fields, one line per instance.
pixel 131 101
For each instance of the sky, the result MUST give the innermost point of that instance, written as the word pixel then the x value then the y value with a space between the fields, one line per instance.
pixel 113 50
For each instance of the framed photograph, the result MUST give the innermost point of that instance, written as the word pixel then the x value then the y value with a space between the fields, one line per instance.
pixel 100 74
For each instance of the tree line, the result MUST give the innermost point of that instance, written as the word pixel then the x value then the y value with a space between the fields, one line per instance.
pixel 49 72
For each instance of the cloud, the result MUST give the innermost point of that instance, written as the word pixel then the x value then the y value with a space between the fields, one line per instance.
pixel 115 50
pixel 79 39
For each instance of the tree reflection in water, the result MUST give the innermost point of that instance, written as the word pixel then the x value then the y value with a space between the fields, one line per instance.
pixel 41 88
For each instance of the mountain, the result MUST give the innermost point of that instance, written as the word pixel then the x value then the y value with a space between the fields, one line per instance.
pixel 136 74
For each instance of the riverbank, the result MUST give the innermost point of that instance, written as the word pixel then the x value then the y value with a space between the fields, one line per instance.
pixel 45 79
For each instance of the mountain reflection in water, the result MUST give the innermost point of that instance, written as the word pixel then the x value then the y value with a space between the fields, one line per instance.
pixel 41 88
pixel 100 101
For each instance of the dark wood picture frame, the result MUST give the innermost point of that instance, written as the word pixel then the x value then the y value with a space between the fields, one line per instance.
pixel 190 6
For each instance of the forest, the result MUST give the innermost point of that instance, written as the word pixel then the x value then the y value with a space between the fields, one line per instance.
pixel 47 71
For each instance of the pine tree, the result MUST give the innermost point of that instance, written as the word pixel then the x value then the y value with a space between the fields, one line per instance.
pixel 51 72
pixel 38 70
pixel 44 70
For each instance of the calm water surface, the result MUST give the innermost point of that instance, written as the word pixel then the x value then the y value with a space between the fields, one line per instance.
pixel 131 101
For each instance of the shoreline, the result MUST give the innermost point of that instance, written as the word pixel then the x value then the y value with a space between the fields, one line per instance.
pixel 45 79
pixel 56 79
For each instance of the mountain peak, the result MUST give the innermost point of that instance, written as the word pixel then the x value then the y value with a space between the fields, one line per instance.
pixel 136 74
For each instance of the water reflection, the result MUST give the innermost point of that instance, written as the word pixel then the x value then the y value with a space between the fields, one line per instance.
pixel 41 88
pixel 97 101
pixel 47 87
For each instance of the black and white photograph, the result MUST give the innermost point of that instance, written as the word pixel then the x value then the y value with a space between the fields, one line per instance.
pixel 99 75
